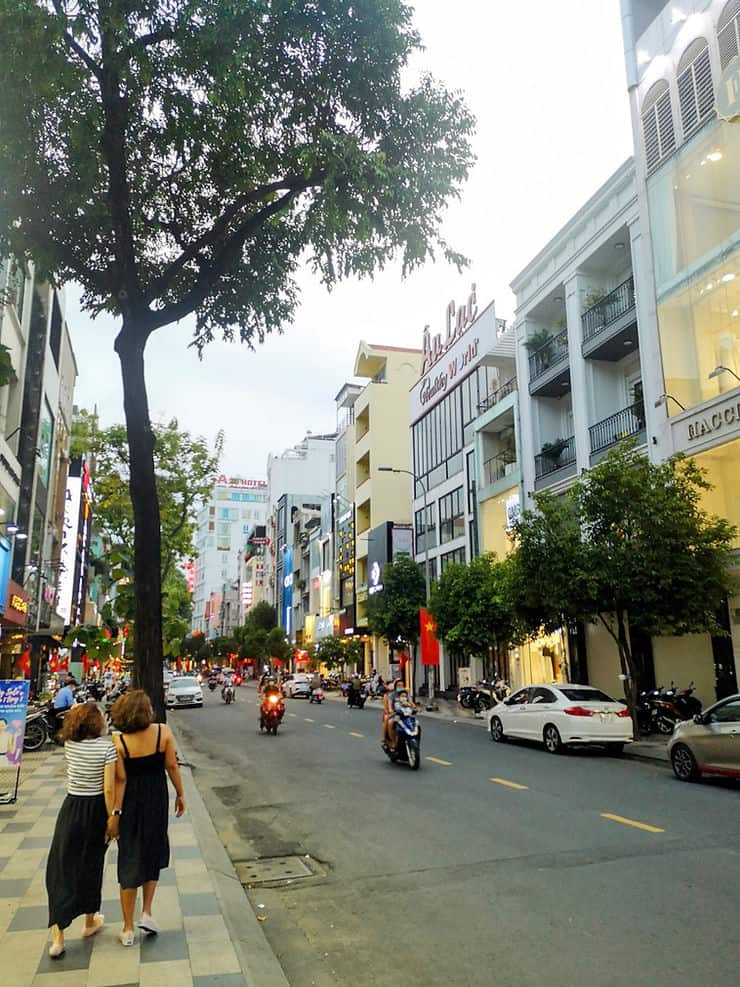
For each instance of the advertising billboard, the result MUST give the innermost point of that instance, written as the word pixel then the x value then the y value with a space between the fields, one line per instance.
pixel 68 556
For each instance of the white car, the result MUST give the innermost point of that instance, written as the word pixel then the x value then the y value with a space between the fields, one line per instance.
pixel 184 692
pixel 299 685
pixel 561 715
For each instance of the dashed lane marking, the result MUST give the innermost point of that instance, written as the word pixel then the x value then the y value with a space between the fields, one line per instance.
pixel 309 720
pixel 631 822
pixel 353 734
pixel 436 760
pixel 329 726
pixel 510 784
pixel 292 714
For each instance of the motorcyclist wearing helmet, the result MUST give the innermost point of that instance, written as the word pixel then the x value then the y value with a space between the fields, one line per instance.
pixel 389 737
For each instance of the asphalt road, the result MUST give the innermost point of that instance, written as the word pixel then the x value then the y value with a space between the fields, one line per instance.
pixel 492 865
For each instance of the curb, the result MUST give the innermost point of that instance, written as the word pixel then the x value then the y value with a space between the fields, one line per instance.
pixel 257 960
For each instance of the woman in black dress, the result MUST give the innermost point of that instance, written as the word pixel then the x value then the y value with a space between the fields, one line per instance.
pixel 74 870
pixel 146 751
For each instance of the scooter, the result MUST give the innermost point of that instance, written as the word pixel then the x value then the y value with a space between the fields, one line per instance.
pixel 227 694
pixel 37 730
pixel 316 695
pixel 356 698
pixel 408 733
pixel 272 711
pixel 212 683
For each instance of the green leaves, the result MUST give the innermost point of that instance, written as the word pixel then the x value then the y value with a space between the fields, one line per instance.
pixel 394 613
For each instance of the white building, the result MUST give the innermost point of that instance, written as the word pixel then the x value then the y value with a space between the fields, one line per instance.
pixel 224 522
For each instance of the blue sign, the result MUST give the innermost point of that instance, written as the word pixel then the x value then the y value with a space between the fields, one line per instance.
pixel 13 706
pixel 288 589
pixel 5 553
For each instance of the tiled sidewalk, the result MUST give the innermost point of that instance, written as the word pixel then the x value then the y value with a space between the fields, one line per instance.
pixel 194 947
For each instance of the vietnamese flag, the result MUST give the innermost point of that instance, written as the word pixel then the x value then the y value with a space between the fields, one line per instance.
pixel 429 642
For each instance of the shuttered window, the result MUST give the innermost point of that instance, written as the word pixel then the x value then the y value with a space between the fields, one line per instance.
pixel 695 88
pixel 728 33
pixel 657 125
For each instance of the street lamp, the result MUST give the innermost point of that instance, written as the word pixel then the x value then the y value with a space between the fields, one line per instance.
pixel 427 582
pixel 719 370
pixel 664 398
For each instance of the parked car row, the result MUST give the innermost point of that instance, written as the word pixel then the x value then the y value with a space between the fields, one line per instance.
pixel 568 715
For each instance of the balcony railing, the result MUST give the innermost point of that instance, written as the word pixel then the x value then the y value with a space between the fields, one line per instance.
pixel 552 352
pixel 498 395
pixel 629 421
pixel 493 469
pixel 609 309
pixel 560 454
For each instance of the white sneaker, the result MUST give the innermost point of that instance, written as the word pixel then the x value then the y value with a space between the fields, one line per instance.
pixel 148 925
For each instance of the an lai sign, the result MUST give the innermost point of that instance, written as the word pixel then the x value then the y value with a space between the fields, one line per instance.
pixel 727 100
pixel 458 318
pixel 462 356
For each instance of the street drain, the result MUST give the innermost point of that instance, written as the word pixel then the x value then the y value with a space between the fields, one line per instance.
pixel 274 870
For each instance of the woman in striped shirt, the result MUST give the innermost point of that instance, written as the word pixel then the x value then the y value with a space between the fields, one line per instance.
pixel 74 870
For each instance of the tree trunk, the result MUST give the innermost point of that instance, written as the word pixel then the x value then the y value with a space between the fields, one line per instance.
pixel 630 669
pixel 147 538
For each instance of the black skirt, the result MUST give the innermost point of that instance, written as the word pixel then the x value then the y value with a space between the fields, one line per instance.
pixel 74 870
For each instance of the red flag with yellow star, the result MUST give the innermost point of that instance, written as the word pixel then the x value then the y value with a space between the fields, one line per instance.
pixel 429 642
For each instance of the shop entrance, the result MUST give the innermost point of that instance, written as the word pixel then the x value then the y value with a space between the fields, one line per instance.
pixel 725 671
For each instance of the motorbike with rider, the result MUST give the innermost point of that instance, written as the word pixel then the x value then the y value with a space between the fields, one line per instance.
pixel 401 731
pixel 272 709
pixel 227 689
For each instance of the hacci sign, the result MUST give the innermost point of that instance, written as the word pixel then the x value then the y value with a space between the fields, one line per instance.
pixel 727 101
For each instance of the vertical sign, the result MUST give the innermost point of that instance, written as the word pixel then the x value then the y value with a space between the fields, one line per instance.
pixel 13 706
pixel 68 556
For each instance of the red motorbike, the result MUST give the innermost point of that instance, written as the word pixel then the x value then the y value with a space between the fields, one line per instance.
pixel 272 712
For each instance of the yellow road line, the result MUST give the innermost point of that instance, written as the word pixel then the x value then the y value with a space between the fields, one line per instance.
pixel 631 822
pixel 510 784
pixel 436 760
pixel 328 726
pixel 353 734
pixel 309 720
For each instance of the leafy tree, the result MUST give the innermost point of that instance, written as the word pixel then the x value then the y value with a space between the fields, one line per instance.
pixel 177 612
pixel 182 158
pixel 393 613
pixel 262 616
pixel 627 545
pixel 99 646
pixel 472 607
pixel 332 652
pixel 224 646
pixel 277 646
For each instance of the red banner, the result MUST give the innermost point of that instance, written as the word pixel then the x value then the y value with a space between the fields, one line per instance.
pixel 429 642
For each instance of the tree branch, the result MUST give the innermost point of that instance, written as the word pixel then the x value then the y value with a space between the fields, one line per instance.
pixel 211 273
pixel 217 232
pixel 76 47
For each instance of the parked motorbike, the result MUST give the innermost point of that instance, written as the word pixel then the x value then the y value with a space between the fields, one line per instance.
pixel 408 732
pixel 316 695
pixel 272 711
pixel 227 694
pixel 657 712
pixel 684 700
pixel 37 730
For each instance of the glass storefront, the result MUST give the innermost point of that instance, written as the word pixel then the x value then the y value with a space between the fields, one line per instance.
pixel 722 465
pixel 694 202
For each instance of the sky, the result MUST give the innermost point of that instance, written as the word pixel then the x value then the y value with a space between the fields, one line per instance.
pixel 546 82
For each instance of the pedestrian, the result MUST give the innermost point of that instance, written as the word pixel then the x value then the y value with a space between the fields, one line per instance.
pixel 146 750
pixel 74 869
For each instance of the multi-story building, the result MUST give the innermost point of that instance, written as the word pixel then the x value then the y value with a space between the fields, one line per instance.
pixel 224 524
pixel 583 336
pixel 683 74
pixel 302 477
pixel 469 365
pixel 343 617
pixel 380 443
pixel 35 424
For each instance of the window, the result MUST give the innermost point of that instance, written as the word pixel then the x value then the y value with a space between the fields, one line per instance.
pixel 426 534
pixel 695 89
pixel 587 695
pixel 657 125
pixel 728 33
pixel 543 696
pixel 457 557
pixel 728 713
pixel 519 698
pixel 451 516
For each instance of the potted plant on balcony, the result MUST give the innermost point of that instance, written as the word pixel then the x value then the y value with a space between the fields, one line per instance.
pixel 540 342
pixel 554 450
pixel 507 450
pixel 638 404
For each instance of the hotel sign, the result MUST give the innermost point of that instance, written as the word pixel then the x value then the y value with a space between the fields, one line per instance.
pixel 727 101
pixel 238 481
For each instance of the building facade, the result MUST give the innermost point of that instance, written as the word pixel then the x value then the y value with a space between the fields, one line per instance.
pixel 462 369
pixel 225 521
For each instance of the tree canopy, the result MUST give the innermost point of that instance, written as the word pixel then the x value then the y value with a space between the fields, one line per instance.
pixel 393 613
pixel 472 607
pixel 627 545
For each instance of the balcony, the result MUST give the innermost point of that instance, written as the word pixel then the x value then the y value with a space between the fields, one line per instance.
pixel 498 395
pixel 629 421
pixel 557 457
pixel 549 370
pixel 610 326
pixel 496 468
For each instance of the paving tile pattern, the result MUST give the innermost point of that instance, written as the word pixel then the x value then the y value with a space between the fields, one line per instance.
pixel 193 947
